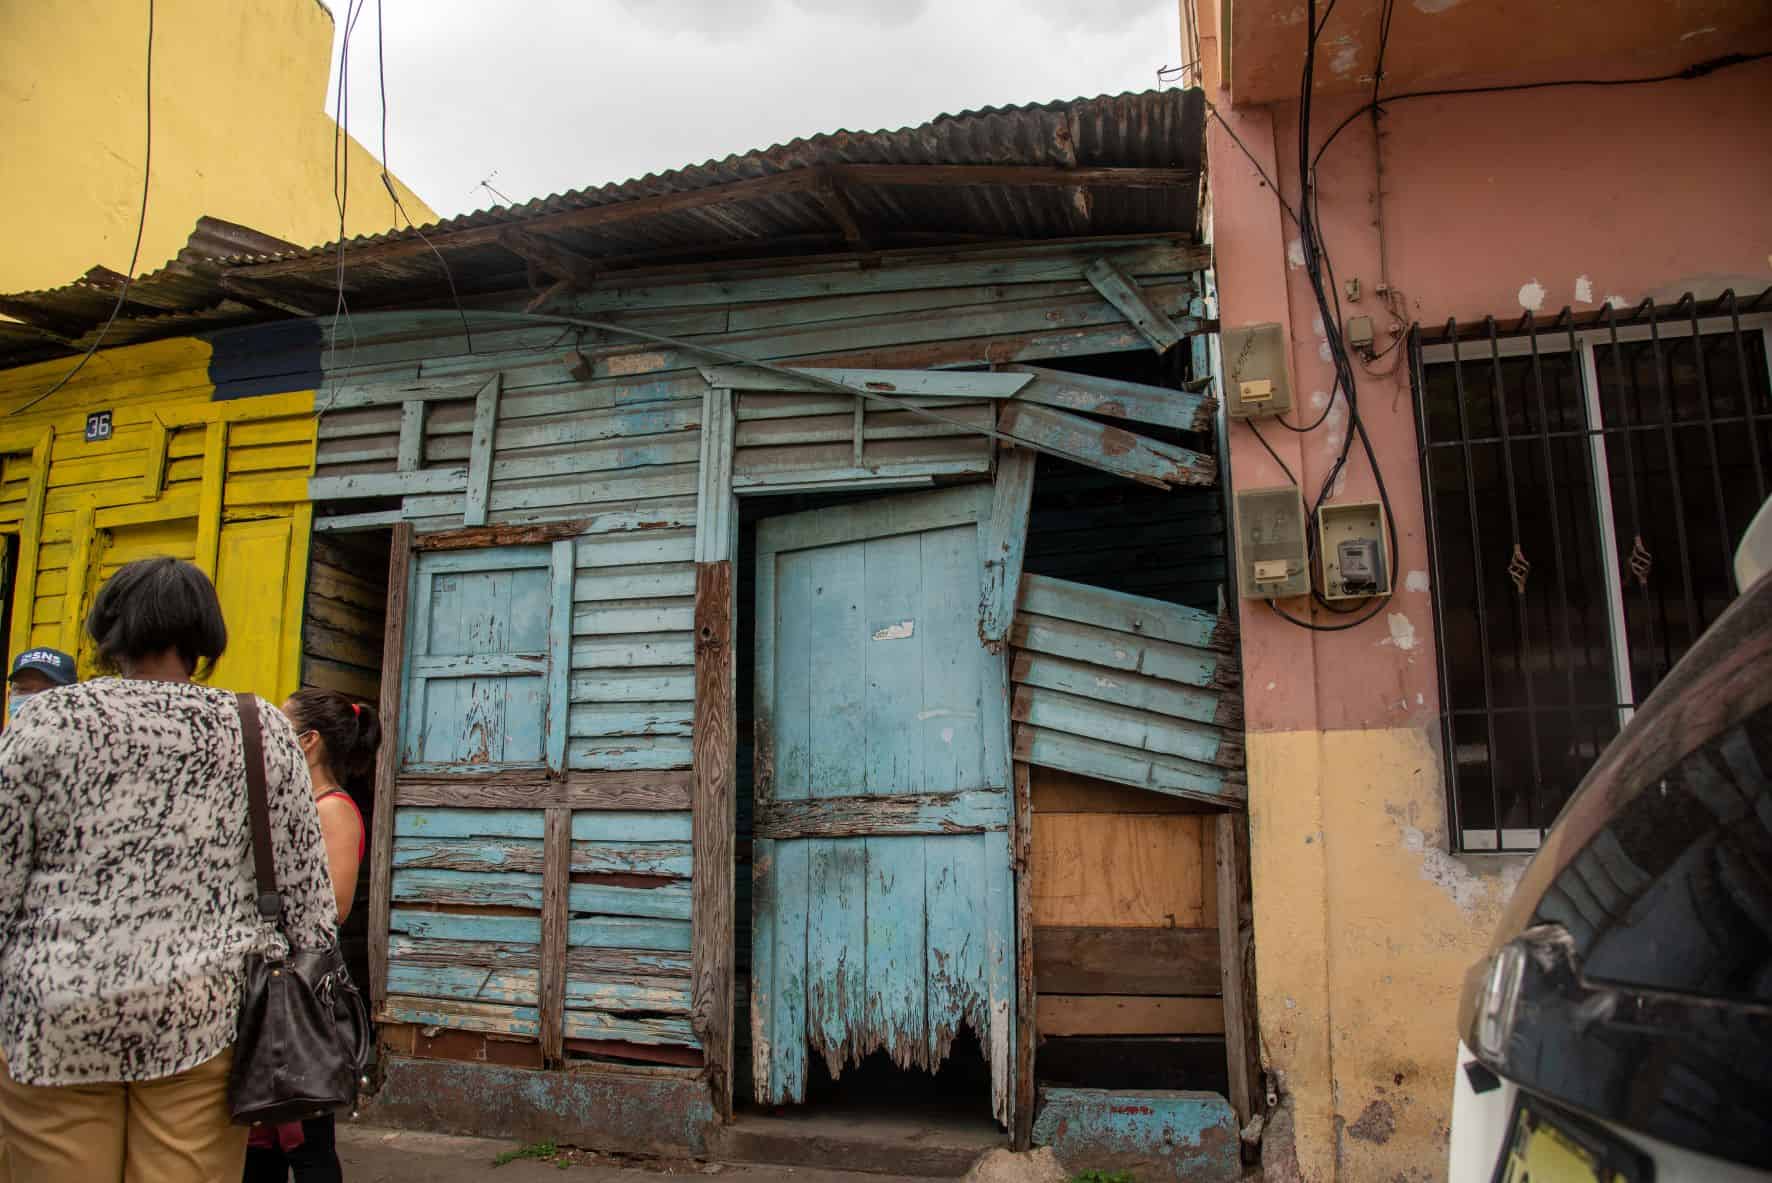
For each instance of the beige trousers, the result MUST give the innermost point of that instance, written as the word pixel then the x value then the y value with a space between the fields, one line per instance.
pixel 173 1130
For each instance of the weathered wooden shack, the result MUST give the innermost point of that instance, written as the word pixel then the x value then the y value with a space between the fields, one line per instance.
pixel 802 651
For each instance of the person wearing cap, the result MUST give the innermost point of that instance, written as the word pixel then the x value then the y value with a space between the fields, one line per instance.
pixel 33 672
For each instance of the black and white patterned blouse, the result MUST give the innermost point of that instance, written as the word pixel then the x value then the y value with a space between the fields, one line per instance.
pixel 126 891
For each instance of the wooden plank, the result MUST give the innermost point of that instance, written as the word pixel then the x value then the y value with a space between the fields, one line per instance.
pixel 714 820
pixel 1236 943
pixel 668 901
pixel 479 482
pixel 466 888
pixel 464 1016
pixel 388 484
pixel 941 384
pixel 606 1049
pixel 580 790
pixel 24 600
pixel 1129 766
pixel 412 435
pixel 1097 1014
pixel 1219 707
pixel 615 826
pixel 1005 544
pixel 1026 960
pixel 209 501
pixel 1141 961
pixel 154 461
pixel 872 519
pixel 387 762
pixel 626 932
pixel 1056 791
pixel 1111 449
pixel 1185 1063
pixel 1122 291
pixel 1117 870
pixel 74 596
pixel 1126 727
pixel 1159 619
pixel 1115 650
pixel 586 1024
pixel 556 872
pixel 665 859
pixel 715 507
pixel 515 534
pixel 1117 399
pixel 478 665
pixel 973 811
pixel 559 654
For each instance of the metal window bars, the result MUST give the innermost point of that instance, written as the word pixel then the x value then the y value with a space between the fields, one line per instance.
pixel 1584 479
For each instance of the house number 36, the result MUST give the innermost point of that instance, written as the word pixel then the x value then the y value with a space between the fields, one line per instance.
pixel 98 427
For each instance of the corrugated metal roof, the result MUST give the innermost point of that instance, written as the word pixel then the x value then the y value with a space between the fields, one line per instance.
pixel 231 274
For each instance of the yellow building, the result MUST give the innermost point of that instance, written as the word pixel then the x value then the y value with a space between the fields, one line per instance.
pixel 240 133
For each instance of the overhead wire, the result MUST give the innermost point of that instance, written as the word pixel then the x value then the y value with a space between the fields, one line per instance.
pixel 341 171
pixel 141 222
pixel 387 180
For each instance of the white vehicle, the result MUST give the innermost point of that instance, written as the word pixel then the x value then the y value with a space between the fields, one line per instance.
pixel 1620 1028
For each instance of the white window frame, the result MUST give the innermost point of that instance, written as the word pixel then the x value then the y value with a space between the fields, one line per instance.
pixel 1556 342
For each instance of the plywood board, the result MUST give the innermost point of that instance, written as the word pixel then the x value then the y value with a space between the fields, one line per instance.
pixel 1119 870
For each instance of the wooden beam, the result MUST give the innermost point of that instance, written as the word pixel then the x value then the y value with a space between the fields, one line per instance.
pixel 271 296
pixel 556 878
pixel 387 765
pixel 960 384
pixel 1141 961
pixel 412 436
pixel 549 256
pixel 642 791
pixel 1111 449
pixel 972 811
pixel 1118 400
pixel 517 534
pixel 1236 956
pixel 716 509
pixel 829 192
pixel 714 823
pixel 1111 1014
pixel 1021 1134
pixel 1121 290
pixel 209 499
pixel 1006 543
pixel 479 487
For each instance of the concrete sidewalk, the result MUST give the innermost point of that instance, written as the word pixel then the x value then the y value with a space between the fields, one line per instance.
pixel 374 1155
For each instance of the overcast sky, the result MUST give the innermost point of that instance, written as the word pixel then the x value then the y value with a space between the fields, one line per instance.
pixel 543 96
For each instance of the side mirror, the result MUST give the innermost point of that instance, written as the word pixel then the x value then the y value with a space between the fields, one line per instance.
pixel 1753 558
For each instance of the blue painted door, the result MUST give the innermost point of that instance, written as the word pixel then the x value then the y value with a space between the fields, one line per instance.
pixel 487 658
pixel 882 900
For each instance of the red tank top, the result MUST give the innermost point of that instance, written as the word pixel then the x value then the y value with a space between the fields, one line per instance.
pixel 362 838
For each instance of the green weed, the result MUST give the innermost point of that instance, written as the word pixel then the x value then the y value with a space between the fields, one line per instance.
pixel 537 1150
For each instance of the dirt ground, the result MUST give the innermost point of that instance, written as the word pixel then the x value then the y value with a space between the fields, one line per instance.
pixel 372 1155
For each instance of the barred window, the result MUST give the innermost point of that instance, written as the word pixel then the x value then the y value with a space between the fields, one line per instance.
pixel 1587 480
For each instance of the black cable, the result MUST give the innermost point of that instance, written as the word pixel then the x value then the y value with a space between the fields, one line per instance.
pixel 1262 440
pixel 381 73
pixel 141 222
pixel 1696 70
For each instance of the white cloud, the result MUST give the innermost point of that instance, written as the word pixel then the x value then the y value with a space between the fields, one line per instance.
pixel 557 95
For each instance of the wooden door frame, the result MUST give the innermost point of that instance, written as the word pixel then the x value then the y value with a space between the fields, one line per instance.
pixel 715 759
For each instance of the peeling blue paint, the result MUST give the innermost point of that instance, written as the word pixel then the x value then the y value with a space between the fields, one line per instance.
pixel 1155 1133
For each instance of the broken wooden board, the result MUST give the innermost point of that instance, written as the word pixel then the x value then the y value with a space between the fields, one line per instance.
pixel 1127 689
pixel 1116 399
pixel 1111 449
pixel 1122 291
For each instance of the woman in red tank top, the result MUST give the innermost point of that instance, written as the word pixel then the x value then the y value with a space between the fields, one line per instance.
pixel 339 738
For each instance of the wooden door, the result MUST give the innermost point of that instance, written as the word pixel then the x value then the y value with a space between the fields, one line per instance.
pixel 883 905
pixel 488 648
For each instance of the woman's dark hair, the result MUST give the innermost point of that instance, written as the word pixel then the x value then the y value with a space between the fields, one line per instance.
pixel 152 605
pixel 349 730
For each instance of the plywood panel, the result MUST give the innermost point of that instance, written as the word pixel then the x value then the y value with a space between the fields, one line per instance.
pixel 1119 870
pixel 1058 791
pixel 1095 1014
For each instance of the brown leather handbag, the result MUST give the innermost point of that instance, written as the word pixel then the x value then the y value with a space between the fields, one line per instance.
pixel 303 1038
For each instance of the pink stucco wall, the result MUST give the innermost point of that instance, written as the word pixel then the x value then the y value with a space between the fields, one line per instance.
pixel 1556 197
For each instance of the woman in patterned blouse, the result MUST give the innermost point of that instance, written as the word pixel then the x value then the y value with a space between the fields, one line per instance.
pixel 127 897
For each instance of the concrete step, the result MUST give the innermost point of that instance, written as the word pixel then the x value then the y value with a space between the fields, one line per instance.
pixel 918 1143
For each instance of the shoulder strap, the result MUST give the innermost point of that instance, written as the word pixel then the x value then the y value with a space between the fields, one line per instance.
pixel 258 809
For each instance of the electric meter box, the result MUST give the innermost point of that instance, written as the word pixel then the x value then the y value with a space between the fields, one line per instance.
pixel 1254 361
pixel 1270 544
pixel 1355 549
